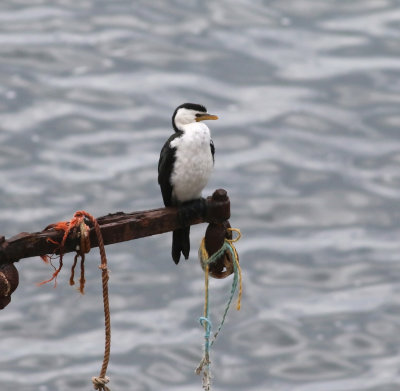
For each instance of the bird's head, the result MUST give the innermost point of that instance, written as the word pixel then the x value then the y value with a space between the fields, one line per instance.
pixel 188 113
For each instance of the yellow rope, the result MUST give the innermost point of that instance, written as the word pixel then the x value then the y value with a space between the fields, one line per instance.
pixel 205 259
pixel 206 292
pixel 204 253
pixel 236 260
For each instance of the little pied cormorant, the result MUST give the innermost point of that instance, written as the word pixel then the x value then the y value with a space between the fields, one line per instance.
pixel 186 162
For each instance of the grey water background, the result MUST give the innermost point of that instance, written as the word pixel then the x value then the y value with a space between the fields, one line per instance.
pixel 307 145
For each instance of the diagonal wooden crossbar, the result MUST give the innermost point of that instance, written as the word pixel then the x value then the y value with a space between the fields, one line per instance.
pixel 115 228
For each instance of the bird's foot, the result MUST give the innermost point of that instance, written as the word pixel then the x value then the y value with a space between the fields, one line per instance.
pixel 190 210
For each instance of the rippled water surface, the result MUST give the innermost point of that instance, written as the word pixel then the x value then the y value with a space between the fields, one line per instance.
pixel 307 145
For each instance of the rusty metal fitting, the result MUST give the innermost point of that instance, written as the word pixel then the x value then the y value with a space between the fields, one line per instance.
pixel 217 231
pixel 218 207
pixel 214 239
pixel 8 283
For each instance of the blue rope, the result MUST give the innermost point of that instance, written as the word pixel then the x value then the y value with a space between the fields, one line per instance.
pixel 233 291
pixel 205 320
pixel 206 323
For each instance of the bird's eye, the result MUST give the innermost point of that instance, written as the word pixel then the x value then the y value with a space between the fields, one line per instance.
pixel 198 115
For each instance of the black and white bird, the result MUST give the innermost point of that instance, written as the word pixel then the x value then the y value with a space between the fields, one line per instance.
pixel 185 165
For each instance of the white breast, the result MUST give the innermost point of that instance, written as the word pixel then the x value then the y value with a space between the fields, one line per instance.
pixel 193 162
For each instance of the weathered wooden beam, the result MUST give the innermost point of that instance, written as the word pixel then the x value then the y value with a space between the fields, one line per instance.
pixel 115 228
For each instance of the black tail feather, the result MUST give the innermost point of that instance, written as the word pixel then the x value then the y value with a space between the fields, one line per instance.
pixel 180 244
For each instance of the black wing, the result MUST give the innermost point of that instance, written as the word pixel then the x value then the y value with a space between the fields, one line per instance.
pixel 212 149
pixel 165 166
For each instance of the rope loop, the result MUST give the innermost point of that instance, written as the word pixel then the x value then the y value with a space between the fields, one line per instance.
pixel 205 321
pixel 84 247
pixel 239 235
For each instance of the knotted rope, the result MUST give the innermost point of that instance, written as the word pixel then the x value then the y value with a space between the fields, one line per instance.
pixel 100 382
pixel 77 220
pixel 205 321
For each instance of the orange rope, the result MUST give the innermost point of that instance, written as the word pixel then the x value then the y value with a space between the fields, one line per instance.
pixel 99 382
pixel 66 227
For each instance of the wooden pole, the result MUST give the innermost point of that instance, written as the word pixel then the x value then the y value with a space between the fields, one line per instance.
pixel 115 228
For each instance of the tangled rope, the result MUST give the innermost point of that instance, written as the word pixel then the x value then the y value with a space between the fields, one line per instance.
pixel 82 249
pixel 77 220
pixel 204 366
